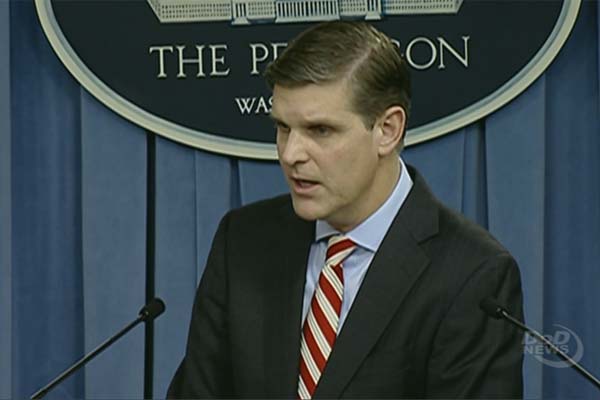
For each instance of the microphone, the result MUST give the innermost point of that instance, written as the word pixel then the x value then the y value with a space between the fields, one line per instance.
pixel 494 310
pixel 148 313
pixel 152 310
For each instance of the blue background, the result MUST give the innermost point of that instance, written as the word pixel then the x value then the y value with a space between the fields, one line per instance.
pixel 73 215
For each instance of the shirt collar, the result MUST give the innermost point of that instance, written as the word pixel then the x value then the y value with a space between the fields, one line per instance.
pixel 370 233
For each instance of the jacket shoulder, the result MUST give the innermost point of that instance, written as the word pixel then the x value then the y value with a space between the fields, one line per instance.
pixel 269 215
pixel 465 234
pixel 275 207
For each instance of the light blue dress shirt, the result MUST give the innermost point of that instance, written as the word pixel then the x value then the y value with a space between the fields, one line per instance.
pixel 368 236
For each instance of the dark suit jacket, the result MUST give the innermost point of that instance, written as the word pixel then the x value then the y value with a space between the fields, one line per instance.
pixel 415 329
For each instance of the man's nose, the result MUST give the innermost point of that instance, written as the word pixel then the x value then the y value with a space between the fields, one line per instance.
pixel 293 149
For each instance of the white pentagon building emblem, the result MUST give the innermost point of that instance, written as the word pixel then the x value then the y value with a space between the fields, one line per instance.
pixel 245 12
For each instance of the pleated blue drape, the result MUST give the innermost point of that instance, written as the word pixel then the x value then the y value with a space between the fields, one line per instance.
pixel 5 209
pixel 73 215
pixel 45 237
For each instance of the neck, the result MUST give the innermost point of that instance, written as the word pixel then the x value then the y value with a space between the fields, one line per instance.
pixel 382 187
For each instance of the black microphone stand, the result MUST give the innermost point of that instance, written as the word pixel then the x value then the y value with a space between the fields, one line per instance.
pixel 561 354
pixel 494 310
pixel 148 313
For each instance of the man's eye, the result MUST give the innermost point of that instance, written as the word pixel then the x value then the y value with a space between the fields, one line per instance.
pixel 321 130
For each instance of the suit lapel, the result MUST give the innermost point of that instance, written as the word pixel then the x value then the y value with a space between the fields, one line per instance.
pixel 394 269
pixel 284 297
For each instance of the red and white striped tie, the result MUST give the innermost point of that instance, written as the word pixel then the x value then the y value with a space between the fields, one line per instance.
pixel 321 325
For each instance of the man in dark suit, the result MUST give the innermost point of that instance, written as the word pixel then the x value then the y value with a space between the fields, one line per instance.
pixel 359 284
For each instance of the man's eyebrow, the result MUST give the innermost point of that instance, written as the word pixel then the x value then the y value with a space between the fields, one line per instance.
pixel 311 122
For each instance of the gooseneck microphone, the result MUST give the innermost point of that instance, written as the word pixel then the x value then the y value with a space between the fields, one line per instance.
pixel 496 311
pixel 149 312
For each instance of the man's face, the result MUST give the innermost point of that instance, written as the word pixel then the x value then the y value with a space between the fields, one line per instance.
pixel 329 158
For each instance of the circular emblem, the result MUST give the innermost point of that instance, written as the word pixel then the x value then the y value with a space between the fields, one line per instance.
pixel 190 70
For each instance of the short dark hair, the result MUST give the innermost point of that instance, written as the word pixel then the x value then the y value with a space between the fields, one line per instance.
pixel 378 75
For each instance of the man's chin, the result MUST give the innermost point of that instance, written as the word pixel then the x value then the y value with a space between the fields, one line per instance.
pixel 305 211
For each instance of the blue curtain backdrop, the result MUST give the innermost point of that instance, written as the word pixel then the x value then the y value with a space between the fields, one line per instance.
pixel 73 215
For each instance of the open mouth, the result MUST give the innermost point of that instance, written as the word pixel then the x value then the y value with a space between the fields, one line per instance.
pixel 303 185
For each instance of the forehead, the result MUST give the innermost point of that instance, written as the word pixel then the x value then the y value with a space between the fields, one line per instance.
pixel 312 101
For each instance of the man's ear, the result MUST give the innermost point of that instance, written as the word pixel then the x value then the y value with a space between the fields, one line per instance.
pixel 391 124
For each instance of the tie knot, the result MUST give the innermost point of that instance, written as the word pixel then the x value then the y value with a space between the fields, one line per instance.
pixel 338 248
